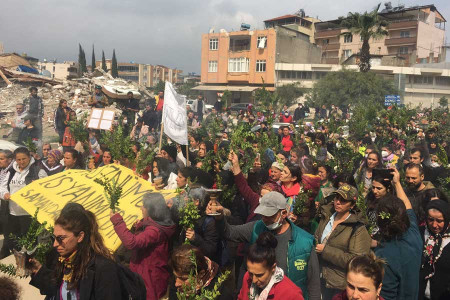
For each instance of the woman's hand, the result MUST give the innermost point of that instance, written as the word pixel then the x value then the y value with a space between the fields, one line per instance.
pixel 190 234
pixel 33 265
pixel 7 196
pixel 215 207
pixel 319 248
pixel 112 213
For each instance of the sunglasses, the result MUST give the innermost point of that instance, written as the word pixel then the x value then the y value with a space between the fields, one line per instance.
pixel 59 238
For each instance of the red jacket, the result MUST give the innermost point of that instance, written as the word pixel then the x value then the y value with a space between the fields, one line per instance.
pixel 160 105
pixel 250 197
pixel 283 290
pixel 150 252
pixel 287 143
pixel 285 119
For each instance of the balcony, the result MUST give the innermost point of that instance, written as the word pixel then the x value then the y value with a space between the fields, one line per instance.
pixel 402 25
pixel 327 33
pixel 331 47
pixel 330 60
pixel 401 41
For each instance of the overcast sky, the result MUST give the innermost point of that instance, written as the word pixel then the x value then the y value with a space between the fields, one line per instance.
pixel 164 32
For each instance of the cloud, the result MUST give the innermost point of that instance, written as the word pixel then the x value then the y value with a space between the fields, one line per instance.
pixel 156 32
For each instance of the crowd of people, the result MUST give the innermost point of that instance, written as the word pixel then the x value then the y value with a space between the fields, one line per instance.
pixel 290 205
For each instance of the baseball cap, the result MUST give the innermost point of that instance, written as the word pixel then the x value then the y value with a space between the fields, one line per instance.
pixel 347 192
pixel 270 204
pixel 278 165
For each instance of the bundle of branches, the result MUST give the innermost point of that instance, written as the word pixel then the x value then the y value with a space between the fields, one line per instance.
pixel 119 144
pixel 344 158
pixel 112 191
pixel 189 212
pixel 36 243
pixel 144 158
pixel 189 290
pixel 31 146
pixel 78 129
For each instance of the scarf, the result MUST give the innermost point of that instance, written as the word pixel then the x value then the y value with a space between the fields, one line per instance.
pixel 277 276
pixel 434 244
pixel 210 274
pixel 67 266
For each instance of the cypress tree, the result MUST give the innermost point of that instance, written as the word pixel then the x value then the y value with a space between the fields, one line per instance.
pixel 81 60
pixel 104 62
pixel 114 71
pixel 93 59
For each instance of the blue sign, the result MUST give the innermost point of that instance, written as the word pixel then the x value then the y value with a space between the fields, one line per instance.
pixel 391 100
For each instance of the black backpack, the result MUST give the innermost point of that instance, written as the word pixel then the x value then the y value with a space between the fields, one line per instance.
pixel 132 285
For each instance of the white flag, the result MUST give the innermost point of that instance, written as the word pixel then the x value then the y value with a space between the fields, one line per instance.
pixel 174 115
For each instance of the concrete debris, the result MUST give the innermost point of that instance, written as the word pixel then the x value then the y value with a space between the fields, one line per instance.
pixel 76 92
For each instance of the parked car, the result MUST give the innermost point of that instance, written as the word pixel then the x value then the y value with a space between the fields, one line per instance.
pixel 193 105
pixel 237 107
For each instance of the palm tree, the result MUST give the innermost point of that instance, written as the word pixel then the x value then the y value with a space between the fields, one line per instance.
pixel 367 25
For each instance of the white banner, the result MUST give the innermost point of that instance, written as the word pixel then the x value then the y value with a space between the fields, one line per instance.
pixel 175 115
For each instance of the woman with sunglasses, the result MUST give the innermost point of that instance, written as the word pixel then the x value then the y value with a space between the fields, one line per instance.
pixel 85 268
pixel 340 236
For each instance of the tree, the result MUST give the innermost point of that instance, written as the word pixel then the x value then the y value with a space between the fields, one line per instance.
pixel 93 59
pixel 287 94
pixel 351 87
pixel 160 86
pixel 114 71
pixel 104 62
pixel 443 102
pixel 226 98
pixel 186 89
pixel 368 26
pixel 265 99
pixel 81 60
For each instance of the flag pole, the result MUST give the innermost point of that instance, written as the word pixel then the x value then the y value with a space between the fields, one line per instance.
pixel 161 136
pixel 187 155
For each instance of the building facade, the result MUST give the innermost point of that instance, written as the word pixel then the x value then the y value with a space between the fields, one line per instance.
pixel 64 70
pixel 243 61
pixel 416 35
pixel 144 74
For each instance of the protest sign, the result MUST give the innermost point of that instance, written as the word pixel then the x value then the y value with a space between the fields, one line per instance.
pixel 101 118
pixel 50 194
pixel 175 115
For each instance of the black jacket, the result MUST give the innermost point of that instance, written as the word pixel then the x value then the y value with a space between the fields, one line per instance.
pixel 206 237
pixel 100 283
pixel 60 118
pixel 26 133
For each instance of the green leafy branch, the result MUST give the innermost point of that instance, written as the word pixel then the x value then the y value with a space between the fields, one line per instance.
pixel 144 159
pixel 300 205
pixel 112 191
pixel 9 270
pixel 78 129
pixel 189 214
pixel 119 144
pixel 30 145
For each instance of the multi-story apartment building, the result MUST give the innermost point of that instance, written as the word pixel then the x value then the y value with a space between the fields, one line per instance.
pixel 64 70
pixel 299 22
pixel 416 35
pixel 144 74
pixel 243 61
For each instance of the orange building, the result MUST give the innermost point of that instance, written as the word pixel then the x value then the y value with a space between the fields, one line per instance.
pixel 243 61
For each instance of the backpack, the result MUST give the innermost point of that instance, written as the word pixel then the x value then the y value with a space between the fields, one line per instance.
pixel 132 285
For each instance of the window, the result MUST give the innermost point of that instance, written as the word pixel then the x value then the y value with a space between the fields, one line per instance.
pixel 213 44
pixel 212 66
pixel 404 34
pixel 442 80
pixel 320 75
pixel 325 41
pixel 348 38
pixel 403 50
pixel 128 69
pixel 295 75
pixel 239 43
pixel 260 66
pixel 423 79
pixel 261 42
pixel 347 53
pixel 239 64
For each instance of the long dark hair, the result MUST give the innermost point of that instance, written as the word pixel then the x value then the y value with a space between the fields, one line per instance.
pixel 79 164
pixel 391 217
pixel 76 220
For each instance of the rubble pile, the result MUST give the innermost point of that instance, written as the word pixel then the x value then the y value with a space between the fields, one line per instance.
pixel 76 92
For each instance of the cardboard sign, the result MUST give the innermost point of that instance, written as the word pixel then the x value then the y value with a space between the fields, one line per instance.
pixel 50 194
pixel 101 118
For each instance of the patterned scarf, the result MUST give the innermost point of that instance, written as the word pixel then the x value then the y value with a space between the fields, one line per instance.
pixel 254 293
pixel 433 247
pixel 67 266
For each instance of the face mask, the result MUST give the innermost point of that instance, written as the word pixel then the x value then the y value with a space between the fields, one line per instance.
pixel 125 121
pixel 365 155
pixel 384 153
pixel 275 225
pixel 286 114
pixel 434 164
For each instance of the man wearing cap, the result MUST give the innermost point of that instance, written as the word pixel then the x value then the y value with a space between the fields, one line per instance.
pixel 98 100
pixel 295 250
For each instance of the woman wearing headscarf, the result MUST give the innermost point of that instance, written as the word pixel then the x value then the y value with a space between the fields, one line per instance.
pixel 52 165
pixel 148 240
pixel 435 271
